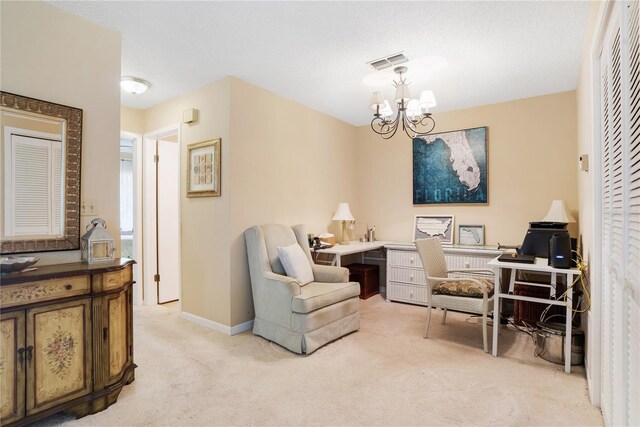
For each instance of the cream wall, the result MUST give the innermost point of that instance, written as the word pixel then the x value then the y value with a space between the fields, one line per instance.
pixel 79 67
pixel 281 162
pixel 290 165
pixel 531 149
pixel 205 265
pixel 132 120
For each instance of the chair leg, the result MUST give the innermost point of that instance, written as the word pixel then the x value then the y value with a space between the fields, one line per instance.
pixel 426 329
pixel 444 315
pixel 484 326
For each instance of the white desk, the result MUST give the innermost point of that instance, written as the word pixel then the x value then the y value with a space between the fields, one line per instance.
pixel 539 266
pixel 352 248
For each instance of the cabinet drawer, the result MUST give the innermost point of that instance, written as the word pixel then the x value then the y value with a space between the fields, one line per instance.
pixel 407 275
pixel 115 279
pixel 46 290
pixel 408 293
pixel 404 258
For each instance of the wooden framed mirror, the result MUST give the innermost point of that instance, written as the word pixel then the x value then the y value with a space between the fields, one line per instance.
pixel 40 158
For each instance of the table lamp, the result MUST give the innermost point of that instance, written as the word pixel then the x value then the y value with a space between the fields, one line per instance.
pixel 343 213
pixel 558 212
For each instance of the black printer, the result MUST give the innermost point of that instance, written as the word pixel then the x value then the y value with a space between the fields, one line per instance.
pixel 550 240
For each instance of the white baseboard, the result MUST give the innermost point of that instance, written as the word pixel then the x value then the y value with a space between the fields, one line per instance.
pixel 229 330
pixel 246 326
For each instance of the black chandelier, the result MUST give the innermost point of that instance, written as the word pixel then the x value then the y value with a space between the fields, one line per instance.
pixel 413 114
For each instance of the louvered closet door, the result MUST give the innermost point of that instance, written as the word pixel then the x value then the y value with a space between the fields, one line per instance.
pixel 620 204
pixel 631 296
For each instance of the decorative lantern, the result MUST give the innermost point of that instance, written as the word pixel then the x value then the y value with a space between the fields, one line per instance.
pixel 97 245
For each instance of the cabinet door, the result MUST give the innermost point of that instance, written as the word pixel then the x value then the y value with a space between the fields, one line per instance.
pixel 58 354
pixel 12 366
pixel 119 346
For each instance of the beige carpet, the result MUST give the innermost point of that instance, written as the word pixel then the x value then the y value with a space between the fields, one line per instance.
pixel 384 374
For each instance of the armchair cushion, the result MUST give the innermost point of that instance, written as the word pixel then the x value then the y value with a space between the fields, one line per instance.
pixel 463 288
pixel 295 263
pixel 317 295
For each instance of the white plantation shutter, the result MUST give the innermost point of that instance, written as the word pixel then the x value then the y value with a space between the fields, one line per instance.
pixel 33 192
pixel 632 221
pixel 619 78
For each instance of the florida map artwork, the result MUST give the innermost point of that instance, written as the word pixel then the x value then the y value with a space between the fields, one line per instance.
pixel 450 167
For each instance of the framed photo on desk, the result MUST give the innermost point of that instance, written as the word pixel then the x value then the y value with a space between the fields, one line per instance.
pixel 471 234
pixel 441 226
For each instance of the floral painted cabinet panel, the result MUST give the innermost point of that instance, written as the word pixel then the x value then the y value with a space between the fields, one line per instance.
pixel 120 345
pixel 59 365
pixel 12 375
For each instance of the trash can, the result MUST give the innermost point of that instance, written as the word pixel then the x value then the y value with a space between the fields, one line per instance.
pixel 550 338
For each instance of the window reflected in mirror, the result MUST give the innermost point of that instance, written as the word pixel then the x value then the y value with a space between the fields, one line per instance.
pixel 40 148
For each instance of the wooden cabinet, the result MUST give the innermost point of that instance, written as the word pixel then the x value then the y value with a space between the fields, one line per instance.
pixel 66 343
pixel 406 281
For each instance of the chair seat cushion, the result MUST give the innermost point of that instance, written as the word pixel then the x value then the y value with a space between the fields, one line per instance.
pixel 464 288
pixel 316 295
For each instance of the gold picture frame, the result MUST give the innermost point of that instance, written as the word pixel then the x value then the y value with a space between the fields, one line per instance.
pixel 203 169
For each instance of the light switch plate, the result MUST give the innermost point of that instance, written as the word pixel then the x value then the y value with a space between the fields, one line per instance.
pixel 89 207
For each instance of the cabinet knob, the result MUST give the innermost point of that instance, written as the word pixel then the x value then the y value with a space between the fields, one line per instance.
pixel 411 261
pixel 68 286
pixel 411 278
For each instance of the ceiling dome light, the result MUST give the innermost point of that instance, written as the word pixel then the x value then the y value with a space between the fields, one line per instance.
pixel 134 85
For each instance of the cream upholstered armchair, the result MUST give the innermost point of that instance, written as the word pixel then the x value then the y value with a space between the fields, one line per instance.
pixel 470 292
pixel 300 317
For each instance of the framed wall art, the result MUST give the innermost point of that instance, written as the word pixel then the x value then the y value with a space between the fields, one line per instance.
pixel 203 169
pixel 450 167
pixel 471 234
pixel 441 226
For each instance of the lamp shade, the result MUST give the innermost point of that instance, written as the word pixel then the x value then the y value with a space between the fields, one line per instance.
pixel 386 111
pixel 427 99
pixel 402 93
pixel 413 109
pixel 343 213
pixel 377 100
pixel 558 212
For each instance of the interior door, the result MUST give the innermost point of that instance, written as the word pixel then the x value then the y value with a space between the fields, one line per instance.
pixel 168 220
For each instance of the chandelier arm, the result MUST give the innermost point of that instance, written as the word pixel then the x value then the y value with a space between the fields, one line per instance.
pixel 421 127
pixel 386 129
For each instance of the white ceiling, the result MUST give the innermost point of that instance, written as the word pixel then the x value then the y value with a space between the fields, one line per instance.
pixel 316 52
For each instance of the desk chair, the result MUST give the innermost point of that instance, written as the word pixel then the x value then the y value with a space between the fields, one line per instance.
pixel 471 292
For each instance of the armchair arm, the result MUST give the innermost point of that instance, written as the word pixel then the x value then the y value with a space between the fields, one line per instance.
pixel 273 297
pixel 329 274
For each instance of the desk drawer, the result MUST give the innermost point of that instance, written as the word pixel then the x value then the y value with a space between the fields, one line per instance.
pixel 407 293
pixel 404 258
pixel 407 275
pixel 27 293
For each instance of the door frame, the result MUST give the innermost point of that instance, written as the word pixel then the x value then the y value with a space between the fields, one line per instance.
pixel 148 203
pixel 138 231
